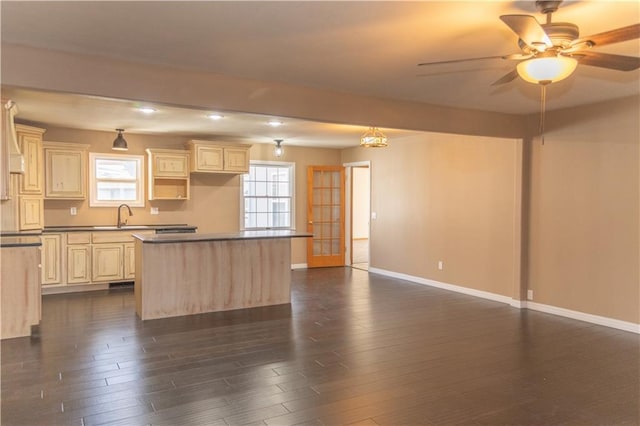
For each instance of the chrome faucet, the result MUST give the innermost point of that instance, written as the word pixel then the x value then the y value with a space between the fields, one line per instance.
pixel 121 223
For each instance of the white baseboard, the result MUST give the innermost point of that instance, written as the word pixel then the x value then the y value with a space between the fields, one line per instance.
pixel 298 266
pixel 444 286
pixel 582 316
pixel 519 304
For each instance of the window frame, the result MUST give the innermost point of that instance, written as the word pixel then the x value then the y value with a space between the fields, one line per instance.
pixel 93 180
pixel 292 190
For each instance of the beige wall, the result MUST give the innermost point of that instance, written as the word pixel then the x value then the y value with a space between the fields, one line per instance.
pixel 361 200
pixel 584 215
pixel 450 198
pixel 215 199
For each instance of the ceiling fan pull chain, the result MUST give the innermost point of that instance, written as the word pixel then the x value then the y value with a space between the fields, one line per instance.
pixel 543 100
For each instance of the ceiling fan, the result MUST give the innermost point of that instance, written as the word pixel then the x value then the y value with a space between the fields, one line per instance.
pixel 551 51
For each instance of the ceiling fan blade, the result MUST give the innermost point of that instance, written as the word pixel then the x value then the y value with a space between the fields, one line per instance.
pixel 455 61
pixel 607 60
pixel 528 29
pixel 518 56
pixel 609 37
pixel 507 78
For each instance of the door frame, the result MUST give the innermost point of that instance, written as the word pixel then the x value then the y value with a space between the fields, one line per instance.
pixel 348 213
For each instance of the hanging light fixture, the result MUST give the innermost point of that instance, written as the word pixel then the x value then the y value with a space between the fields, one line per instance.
pixel 546 67
pixel 278 150
pixel 373 138
pixel 119 143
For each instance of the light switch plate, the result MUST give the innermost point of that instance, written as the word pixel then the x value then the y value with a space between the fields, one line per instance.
pixel 154 210
pixel 73 211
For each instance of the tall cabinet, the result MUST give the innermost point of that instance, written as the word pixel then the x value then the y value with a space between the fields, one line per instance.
pixel 29 206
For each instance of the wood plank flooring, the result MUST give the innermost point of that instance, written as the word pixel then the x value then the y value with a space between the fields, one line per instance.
pixel 352 348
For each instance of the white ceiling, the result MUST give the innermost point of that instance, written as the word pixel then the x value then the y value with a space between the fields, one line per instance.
pixel 360 47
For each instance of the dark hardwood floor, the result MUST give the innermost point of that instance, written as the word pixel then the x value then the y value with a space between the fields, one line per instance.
pixel 352 348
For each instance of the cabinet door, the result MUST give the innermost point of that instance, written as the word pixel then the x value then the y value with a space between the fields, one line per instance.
pixel 236 160
pixel 129 261
pixel 32 179
pixel 51 258
pixel 209 158
pixel 171 165
pixel 65 174
pixel 31 213
pixel 78 264
pixel 107 262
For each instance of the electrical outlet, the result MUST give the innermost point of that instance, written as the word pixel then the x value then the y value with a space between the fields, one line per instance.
pixel 440 265
pixel 374 215
pixel 154 210
pixel 529 294
pixel 73 211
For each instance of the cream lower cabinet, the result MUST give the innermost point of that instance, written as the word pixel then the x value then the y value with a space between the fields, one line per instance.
pixel 107 260
pixel 129 261
pixel 85 258
pixel 51 259
pixel 78 264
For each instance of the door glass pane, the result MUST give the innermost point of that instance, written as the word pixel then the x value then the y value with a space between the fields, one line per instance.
pixel 335 246
pixel 326 247
pixel 317 179
pixel 317 248
pixel 326 196
pixel 335 199
pixel 326 179
pixel 336 179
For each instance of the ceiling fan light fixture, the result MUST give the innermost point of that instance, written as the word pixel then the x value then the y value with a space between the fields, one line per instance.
pixel 373 138
pixel 119 143
pixel 545 69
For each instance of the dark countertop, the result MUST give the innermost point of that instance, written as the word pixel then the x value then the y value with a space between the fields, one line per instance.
pixel 243 235
pixel 93 228
pixel 22 241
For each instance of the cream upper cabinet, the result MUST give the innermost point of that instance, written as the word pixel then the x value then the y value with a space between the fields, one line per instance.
pixel 30 140
pixel 207 158
pixel 168 174
pixel 51 259
pixel 31 212
pixel 211 157
pixel 65 171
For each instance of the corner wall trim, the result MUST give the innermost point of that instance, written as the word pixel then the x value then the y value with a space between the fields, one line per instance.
pixel 518 304
pixel 298 266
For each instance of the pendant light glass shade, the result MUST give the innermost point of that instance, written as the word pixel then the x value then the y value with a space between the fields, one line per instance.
pixel 278 150
pixel 120 144
pixel 545 69
pixel 373 138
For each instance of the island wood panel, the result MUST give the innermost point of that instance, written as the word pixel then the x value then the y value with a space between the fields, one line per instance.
pixel 195 277
pixel 20 291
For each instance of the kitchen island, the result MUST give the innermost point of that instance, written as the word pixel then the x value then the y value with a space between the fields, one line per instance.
pixel 185 274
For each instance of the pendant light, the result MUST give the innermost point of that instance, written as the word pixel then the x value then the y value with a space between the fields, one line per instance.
pixel 119 143
pixel 278 150
pixel 373 138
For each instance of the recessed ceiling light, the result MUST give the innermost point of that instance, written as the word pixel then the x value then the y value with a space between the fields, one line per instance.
pixel 216 116
pixel 274 123
pixel 147 110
